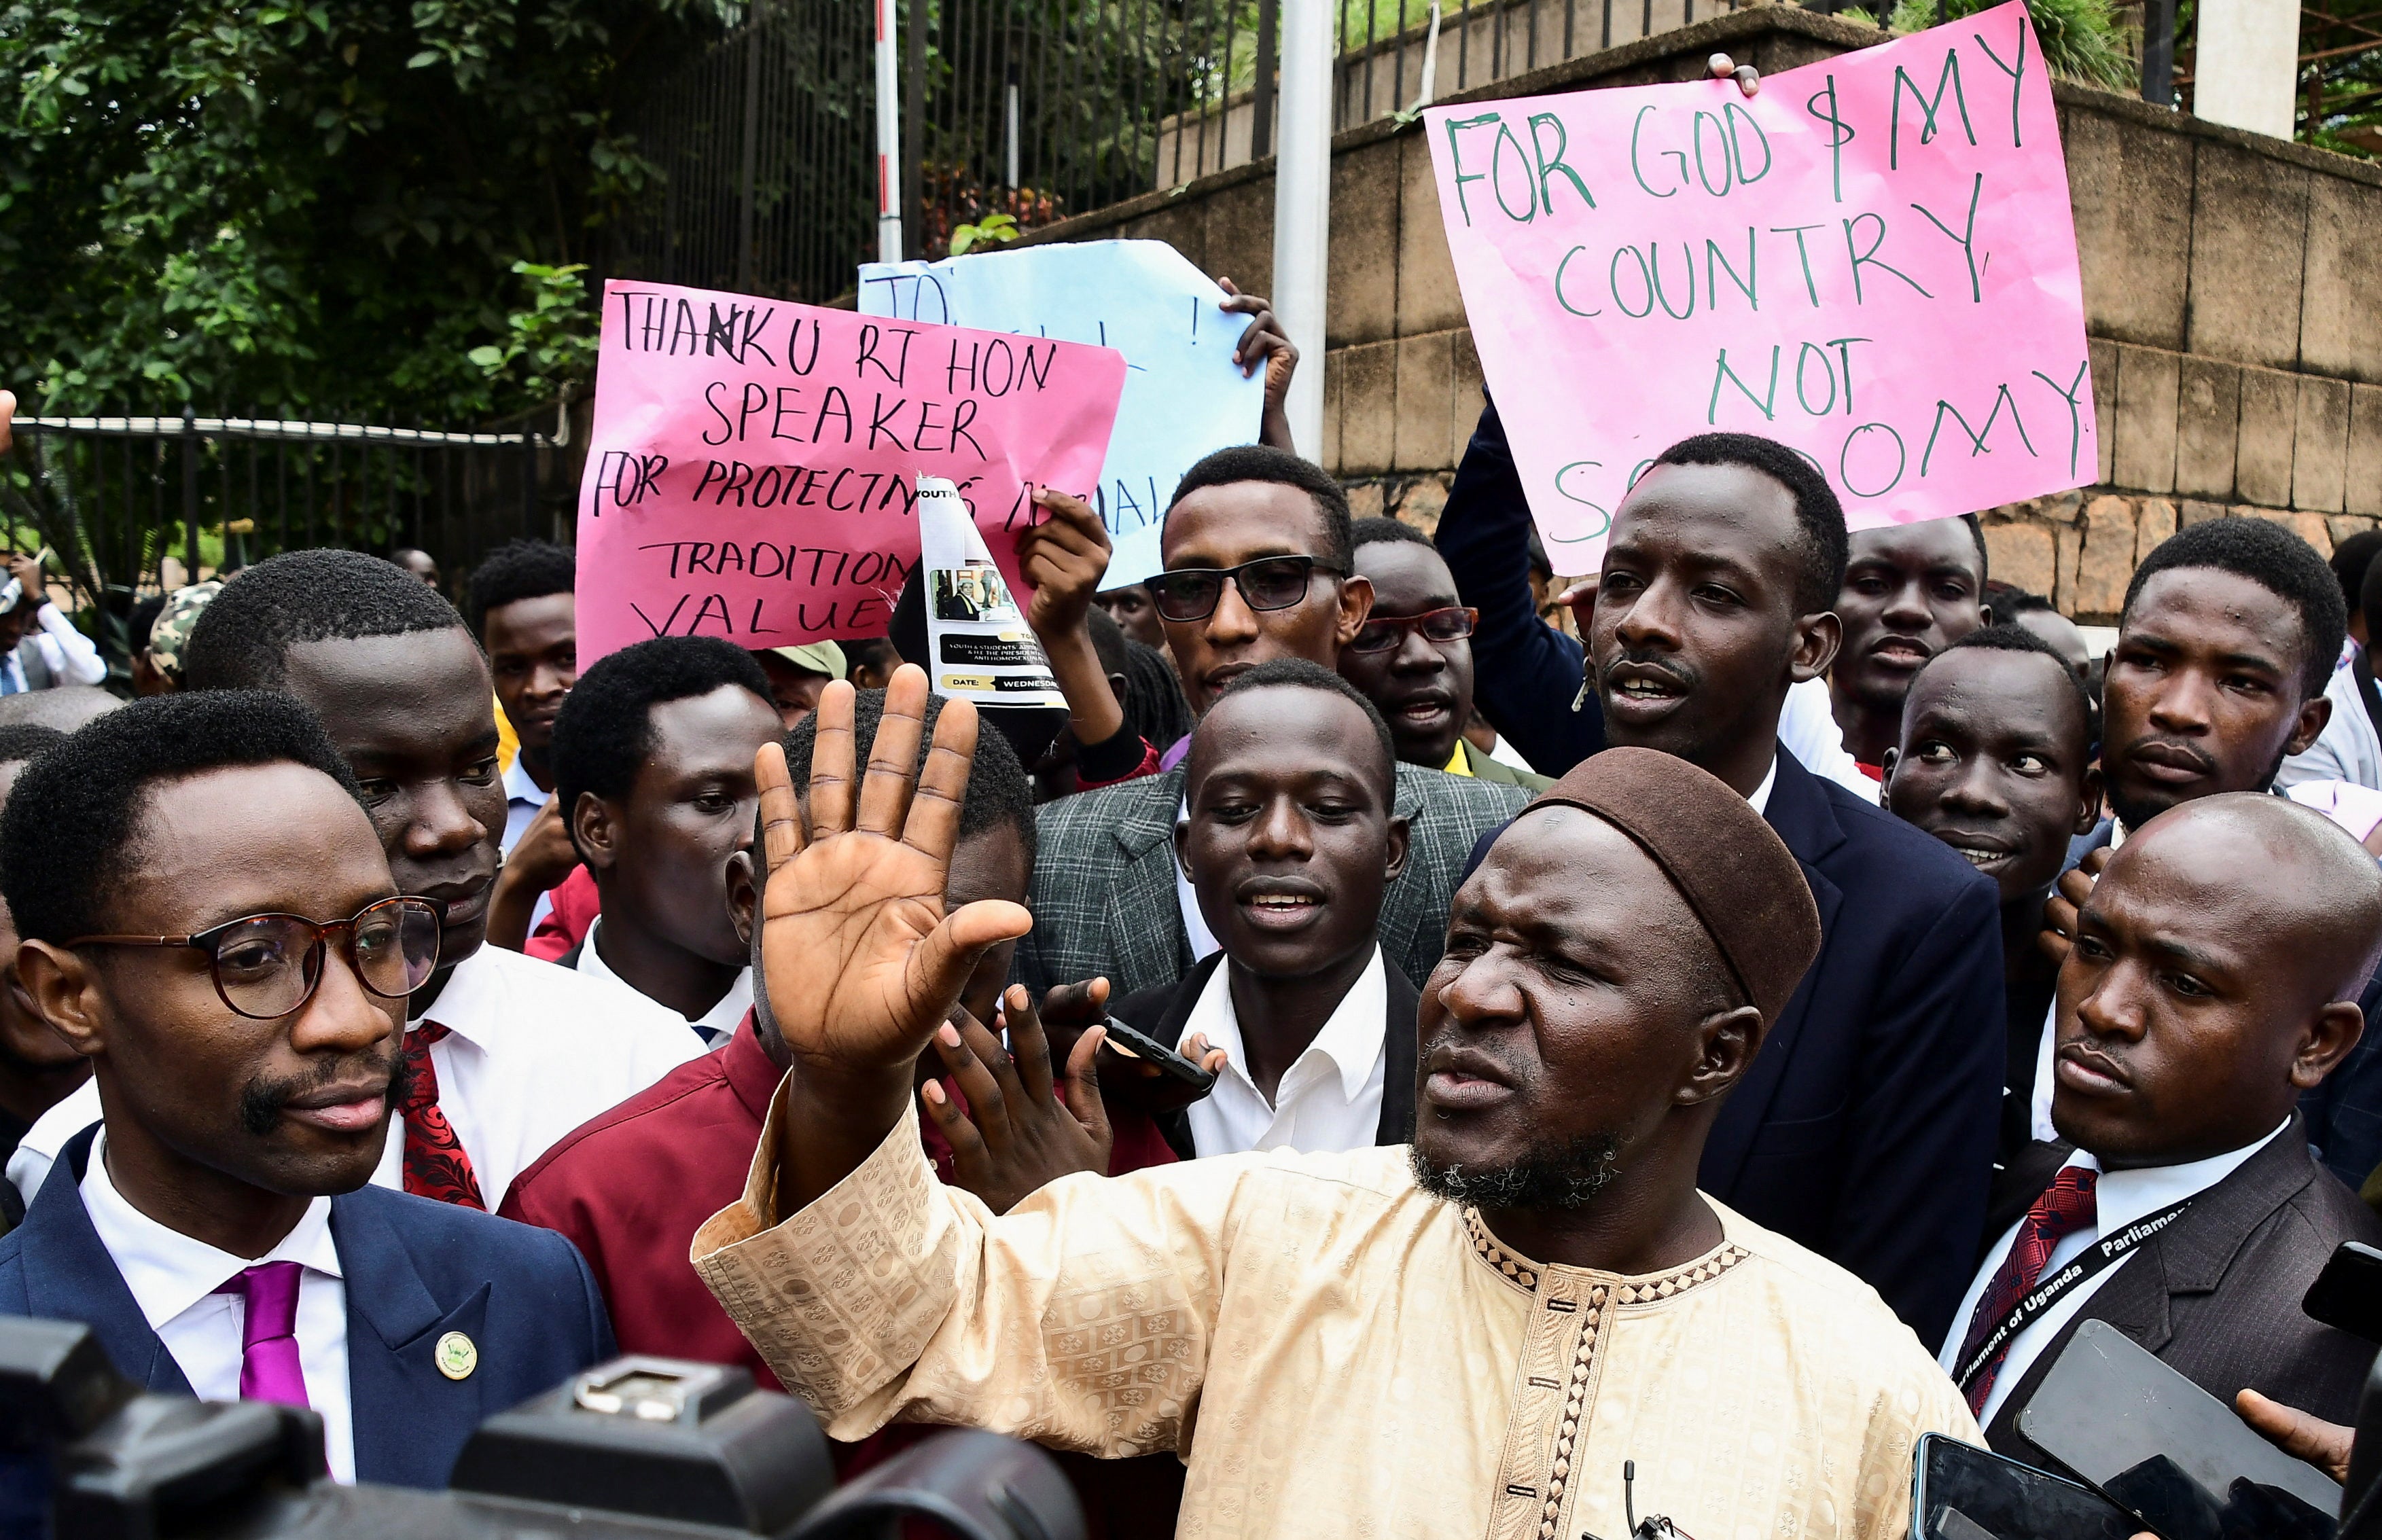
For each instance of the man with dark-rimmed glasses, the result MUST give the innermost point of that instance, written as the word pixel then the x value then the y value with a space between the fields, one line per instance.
pixel 208 917
pixel 1413 655
pixel 1259 565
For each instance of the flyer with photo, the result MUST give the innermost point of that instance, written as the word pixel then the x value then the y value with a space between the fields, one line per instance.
pixel 982 648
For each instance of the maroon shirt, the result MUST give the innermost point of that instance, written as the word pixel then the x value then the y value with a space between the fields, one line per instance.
pixel 632 1187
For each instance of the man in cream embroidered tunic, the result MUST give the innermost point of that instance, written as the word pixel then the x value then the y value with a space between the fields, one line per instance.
pixel 1468 1338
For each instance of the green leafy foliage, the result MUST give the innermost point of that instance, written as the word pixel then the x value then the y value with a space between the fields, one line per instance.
pixel 550 346
pixel 314 202
pixel 2081 37
pixel 993 229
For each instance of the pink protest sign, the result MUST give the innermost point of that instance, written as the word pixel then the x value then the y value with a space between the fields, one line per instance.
pixel 753 471
pixel 1871 260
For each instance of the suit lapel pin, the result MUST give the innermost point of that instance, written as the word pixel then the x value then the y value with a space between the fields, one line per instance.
pixel 455 1356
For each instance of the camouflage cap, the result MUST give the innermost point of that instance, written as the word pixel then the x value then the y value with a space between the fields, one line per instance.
pixel 172 632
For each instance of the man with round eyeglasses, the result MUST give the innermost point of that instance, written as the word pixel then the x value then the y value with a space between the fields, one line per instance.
pixel 1259 566
pixel 207 917
pixel 1413 655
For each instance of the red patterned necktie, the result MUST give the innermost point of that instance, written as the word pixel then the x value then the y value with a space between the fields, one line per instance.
pixel 2065 1207
pixel 436 1166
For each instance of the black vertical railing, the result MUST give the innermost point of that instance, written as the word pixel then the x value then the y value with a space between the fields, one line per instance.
pixel 127 504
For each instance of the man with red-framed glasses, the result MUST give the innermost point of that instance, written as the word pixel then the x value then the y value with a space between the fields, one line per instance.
pixel 208 917
pixel 1413 655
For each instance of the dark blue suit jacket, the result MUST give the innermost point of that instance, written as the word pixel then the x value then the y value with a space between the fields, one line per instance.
pixel 415 1270
pixel 1865 1129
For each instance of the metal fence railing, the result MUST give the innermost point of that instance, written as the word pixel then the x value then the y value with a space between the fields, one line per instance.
pixel 129 505
pixel 1041 109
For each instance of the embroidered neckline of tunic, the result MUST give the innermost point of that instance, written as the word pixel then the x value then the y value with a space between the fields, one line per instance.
pixel 1524 1274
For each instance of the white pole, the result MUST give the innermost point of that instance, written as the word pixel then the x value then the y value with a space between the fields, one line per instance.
pixel 2248 65
pixel 888 136
pixel 1302 207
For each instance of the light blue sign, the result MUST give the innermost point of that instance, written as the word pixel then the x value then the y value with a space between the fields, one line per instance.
pixel 1184 395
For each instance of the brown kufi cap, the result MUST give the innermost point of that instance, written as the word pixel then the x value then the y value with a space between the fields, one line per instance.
pixel 1723 858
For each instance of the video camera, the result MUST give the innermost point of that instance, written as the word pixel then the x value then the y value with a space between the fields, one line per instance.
pixel 640 1446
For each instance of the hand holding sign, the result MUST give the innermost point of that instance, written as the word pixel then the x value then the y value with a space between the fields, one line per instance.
pixel 754 466
pixel 1873 260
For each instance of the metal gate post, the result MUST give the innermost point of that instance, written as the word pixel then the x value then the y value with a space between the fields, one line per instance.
pixel 189 494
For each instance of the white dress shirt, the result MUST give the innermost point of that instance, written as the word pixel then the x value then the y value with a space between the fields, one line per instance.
pixel 174 1277
pixel 533 1051
pixel 1807 724
pixel 2120 1199
pixel 72 657
pixel 1330 1099
pixel 523 801
pixel 715 1026
pixel 2347 750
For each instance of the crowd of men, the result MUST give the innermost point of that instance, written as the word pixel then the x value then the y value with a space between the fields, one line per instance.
pixel 1390 1058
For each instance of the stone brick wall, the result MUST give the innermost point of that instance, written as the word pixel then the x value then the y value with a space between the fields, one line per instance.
pixel 2233 306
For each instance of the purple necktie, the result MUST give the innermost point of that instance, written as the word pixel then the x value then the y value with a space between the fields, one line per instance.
pixel 269 1370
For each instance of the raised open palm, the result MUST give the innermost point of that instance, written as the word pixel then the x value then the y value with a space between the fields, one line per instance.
pixel 861 960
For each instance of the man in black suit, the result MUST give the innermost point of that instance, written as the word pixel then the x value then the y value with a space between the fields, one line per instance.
pixel 1865 1129
pixel 2211 982
pixel 1293 839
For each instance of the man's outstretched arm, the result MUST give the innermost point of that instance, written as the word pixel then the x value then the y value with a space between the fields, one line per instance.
pixel 872 1289
pixel 1527 672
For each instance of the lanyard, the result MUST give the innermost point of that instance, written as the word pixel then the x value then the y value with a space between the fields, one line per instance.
pixel 2059 1285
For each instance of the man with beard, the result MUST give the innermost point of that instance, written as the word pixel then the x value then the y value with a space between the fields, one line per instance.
pixel 505 1054
pixel 1473 1334
pixel 209 919
pixel 1909 592
pixel 1866 1130
pixel 1996 762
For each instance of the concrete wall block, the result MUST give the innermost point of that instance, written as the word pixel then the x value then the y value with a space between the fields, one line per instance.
pixel 2363 478
pixel 2107 562
pixel 2309 527
pixel 1428 297
pixel 1240 236
pixel 2131 193
pixel 2103 356
pixel 2340 307
pixel 1361 301
pixel 2153 521
pixel 2190 512
pixel 1367 499
pixel 2025 555
pixel 1422 500
pixel 2208 426
pixel 1183 226
pixel 1368 405
pixel 2249 226
pixel 1426 368
pixel 1327 454
pixel 2067 547
pixel 2344 526
pixel 2262 462
pixel 2320 445
pixel 1465 401
pixel 2147 388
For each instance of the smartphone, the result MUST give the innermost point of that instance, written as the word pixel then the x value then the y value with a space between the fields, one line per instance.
pixel 1135 1044
pixel 1960 1492
pixel 2167 1451
pixel 2347 1296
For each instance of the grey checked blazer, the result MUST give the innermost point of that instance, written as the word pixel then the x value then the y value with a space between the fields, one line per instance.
pixel 1103 891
